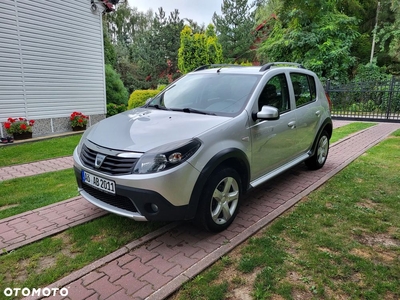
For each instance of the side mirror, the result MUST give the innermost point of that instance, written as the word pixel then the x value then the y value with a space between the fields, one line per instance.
pixel 267 113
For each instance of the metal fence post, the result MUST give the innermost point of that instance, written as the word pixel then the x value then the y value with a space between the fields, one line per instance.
pixel 391 89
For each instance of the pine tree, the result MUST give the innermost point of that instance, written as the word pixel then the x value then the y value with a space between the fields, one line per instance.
pixel 234 29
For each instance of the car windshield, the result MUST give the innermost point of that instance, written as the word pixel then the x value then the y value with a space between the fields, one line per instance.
pixel 215 94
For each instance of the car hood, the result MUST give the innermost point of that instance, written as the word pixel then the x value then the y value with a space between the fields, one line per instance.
pixel 143 129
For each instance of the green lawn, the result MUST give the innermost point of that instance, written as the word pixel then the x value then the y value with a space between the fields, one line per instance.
pixel 27 193
pixel 50 259
pixel 344 131
pixel 44 262
pixel 38 150
pixel 340 242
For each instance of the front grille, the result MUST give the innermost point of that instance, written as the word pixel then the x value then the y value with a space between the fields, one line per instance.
pixel 112 165
pixel 114 200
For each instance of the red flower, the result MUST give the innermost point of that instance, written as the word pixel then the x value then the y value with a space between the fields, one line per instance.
pixel 18 125
pixel 78 119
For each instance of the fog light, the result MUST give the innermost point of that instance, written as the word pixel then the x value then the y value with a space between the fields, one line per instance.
pixel 154 207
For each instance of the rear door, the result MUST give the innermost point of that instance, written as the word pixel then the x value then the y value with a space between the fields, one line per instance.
pixel 308 111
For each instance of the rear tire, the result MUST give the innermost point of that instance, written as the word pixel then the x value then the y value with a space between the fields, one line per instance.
pixel 220 201
pixel 318 160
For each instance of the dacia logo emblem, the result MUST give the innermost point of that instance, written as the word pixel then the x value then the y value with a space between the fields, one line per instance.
pixel 99 160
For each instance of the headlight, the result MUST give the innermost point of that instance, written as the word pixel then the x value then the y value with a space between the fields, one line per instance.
pixel 166 157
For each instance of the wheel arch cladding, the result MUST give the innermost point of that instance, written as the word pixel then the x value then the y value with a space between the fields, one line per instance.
pixel 232 158
pixel 328 127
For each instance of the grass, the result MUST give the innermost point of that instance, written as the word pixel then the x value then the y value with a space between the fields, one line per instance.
pixel 48 260
pixel 64 146
pixel 26 193
pixel 341 242
pixel 344 131
pixel 38 150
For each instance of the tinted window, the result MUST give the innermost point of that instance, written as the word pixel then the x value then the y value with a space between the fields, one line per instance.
pixel 304 88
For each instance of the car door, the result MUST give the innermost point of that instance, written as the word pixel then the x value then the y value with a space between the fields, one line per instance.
pixel 274 141
pixel 307 110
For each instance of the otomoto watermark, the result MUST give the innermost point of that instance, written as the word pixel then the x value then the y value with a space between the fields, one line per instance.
pixel 40 292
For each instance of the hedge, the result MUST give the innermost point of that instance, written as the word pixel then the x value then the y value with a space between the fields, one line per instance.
pixel 139 97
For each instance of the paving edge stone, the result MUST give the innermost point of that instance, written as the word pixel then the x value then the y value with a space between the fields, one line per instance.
pixel 108 258
pixel 211 258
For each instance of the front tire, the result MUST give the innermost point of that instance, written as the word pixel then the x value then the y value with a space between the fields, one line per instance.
pixel 318 160
pixel 220 201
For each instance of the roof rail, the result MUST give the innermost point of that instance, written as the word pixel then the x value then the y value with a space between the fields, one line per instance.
pixel 269 65
pixel 215 66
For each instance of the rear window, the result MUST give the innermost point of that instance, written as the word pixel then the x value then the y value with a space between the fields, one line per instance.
pixel 304 88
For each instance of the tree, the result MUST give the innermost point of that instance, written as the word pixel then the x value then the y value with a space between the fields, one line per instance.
pixel 186 53
pixel 146 44
pixel 234 29
pixel 198 49
pixel 314 33
pixel 196 28
pixel 214 48
pixel 389 36
pixel 115 90
pixel 172 40
pixel 110 57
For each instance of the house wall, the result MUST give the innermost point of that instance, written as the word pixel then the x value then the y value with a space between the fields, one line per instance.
pixel 51 62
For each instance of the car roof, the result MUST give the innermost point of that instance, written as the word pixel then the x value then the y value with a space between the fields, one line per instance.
pixel 256 70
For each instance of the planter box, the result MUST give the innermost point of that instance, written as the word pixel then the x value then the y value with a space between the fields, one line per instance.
pixel 78 128
pixel 22 136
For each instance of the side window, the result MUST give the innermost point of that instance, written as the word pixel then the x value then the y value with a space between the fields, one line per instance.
pixel 304 88
pixel 275 93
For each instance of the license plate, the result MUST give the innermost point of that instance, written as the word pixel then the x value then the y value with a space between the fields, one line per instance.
pixel 99 183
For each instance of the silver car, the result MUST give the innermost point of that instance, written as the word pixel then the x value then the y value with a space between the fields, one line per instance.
pixel 192 151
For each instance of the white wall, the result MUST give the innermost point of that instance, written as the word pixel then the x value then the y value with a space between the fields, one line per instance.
pixel 51 59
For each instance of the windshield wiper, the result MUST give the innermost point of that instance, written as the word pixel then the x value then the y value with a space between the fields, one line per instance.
pixel 192 110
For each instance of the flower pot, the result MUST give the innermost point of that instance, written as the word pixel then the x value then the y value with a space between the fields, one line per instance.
pixel 22 136
pixel 78 128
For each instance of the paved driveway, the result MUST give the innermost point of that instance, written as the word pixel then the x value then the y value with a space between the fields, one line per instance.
pixel 156 265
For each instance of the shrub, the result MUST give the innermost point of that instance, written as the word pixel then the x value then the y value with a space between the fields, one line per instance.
pixel 113 109
pixel 370 73
pixel 363 107
pixel 139 97
pixel 115 89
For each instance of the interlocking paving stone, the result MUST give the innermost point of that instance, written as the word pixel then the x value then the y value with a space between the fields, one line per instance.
pixel 162 265
pixel 49 220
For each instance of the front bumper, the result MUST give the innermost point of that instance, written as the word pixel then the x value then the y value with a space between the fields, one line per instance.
pixel 160 197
